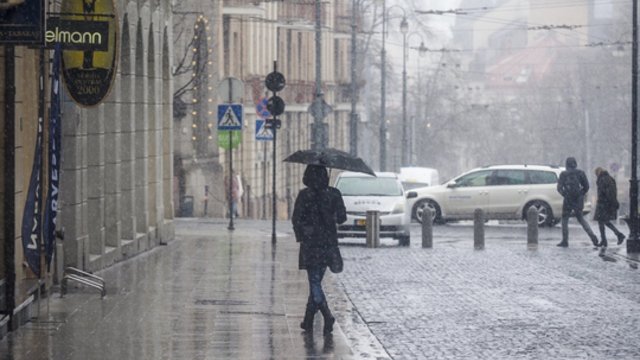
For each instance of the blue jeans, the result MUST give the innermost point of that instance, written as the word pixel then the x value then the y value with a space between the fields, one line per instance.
pixel 316 294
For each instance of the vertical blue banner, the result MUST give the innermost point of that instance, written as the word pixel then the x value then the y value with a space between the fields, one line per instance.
pixel 51 205
pixel 31 218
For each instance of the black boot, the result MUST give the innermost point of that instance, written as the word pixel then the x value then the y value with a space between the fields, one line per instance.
pixel 603 243
pixel 309 314
pixel 328 318
pixel 563 243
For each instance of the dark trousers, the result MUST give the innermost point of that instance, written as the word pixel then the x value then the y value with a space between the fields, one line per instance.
pixel 581 220
pixel 316 294
pixel 607 223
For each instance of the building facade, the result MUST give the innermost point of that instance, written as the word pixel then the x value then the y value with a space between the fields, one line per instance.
pixel 116 179
pixel 246 40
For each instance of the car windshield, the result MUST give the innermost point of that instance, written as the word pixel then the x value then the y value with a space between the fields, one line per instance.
pixel 369 186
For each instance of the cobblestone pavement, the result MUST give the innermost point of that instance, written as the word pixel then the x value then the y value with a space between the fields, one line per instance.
pixel 503 302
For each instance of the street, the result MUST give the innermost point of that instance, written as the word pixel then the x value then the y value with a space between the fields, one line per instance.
pixel 215 294
pixel 504 302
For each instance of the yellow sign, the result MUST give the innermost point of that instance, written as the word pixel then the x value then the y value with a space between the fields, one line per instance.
pixel 89 74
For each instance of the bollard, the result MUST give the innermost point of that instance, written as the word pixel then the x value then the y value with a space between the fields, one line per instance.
pixel 427 229
pixel 532 226
pixel 478 229
pixel 373 228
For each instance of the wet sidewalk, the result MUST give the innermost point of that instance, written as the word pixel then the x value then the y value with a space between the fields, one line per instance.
pixel 209 294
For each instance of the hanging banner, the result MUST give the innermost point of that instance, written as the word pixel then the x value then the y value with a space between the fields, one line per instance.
pixel 89 74
pixel 22 22
pixel 51 205
pixel 31 218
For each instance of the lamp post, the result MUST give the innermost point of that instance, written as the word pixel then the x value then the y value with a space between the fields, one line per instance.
pixel 383 76
pixel 419 104
pixel 404 28
pixel 633 243
pixel 353 120
pixel 383 65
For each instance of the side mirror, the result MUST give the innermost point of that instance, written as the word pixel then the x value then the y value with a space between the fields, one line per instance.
pixel 452 185
pixel 412 194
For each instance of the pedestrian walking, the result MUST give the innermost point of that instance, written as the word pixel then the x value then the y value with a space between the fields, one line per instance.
pixel 236 192
pixel 317 210
pixel 573 186
pixel 607 205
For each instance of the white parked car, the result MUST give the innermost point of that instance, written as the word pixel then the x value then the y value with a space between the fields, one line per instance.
pixel 415 177
pixel 502 191
pixel 384 193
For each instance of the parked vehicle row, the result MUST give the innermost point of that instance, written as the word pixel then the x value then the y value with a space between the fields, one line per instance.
pixel 504 192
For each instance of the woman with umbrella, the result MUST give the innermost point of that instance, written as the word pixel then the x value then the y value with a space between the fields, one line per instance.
pixel 317 210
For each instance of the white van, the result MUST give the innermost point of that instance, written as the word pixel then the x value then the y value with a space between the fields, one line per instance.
pixel 384 193
pixel 415 177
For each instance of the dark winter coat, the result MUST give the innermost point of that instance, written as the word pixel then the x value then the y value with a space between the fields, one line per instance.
pixel 572 203
pixel 317 210
pixel 607 204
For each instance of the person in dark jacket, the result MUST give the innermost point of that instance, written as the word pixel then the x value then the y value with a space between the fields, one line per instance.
pixel 606 205
pixel 573 186
pixel 317 210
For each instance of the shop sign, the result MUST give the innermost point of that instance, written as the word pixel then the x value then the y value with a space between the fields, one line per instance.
pixel 77 35
pixel 22 24
pixel 89 74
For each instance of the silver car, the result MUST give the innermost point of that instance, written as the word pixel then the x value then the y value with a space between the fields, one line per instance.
pixel 502 191
pixel 383 193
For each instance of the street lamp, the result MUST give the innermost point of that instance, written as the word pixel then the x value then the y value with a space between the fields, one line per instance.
pixel 633 243
pixel 419 104
pixel 404 28
pixel 383 74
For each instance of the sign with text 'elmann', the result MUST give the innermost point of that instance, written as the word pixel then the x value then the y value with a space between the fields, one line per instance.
pixel 77 35
pixel 89 73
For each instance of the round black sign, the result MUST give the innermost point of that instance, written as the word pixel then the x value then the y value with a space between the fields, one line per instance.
pixel 275 105
pixel 275 81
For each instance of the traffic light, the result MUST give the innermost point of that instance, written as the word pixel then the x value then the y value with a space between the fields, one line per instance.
pixel 275 82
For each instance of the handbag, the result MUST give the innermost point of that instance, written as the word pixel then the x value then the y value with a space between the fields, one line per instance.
pixel 336 264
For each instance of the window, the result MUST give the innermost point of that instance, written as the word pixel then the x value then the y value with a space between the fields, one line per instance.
pixel 369 186
pixel 478 178
pixel 507 177
pixel 542 177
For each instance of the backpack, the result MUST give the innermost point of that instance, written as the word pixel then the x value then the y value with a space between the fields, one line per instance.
pixel 572 185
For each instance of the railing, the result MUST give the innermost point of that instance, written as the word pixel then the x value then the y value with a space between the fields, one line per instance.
pixel 82 277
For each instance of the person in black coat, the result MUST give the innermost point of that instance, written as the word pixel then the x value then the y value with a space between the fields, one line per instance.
pixel 573 186
pixel 317 210
pixel 607 205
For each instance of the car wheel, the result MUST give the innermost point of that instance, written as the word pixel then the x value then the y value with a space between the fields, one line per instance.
pixel 545 215
pixel 436 215
pixel 404 240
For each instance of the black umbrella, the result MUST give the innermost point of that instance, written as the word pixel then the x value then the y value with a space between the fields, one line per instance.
pixel 331 158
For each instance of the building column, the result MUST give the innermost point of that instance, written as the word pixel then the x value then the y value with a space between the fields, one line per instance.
pixel 74 184
pixel 141 121
pixel 112 173
pixel 94 119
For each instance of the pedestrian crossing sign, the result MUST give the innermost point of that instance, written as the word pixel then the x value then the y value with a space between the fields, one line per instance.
pixel 263 133
pixel 230 117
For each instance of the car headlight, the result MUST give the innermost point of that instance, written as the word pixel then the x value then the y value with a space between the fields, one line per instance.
pixel 398 209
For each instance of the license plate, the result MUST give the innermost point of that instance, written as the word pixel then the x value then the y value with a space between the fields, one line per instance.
pixel 361 222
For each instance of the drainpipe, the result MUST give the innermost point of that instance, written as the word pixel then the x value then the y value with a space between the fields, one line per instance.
pixel 9 184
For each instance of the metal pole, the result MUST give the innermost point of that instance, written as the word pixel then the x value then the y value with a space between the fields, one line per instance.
pixel 383 75
pixel 404 101
pixel 633 243
pixel 230 227
pixel 318 128
pixel 273 186
pixel 9 182
pixel 353 124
